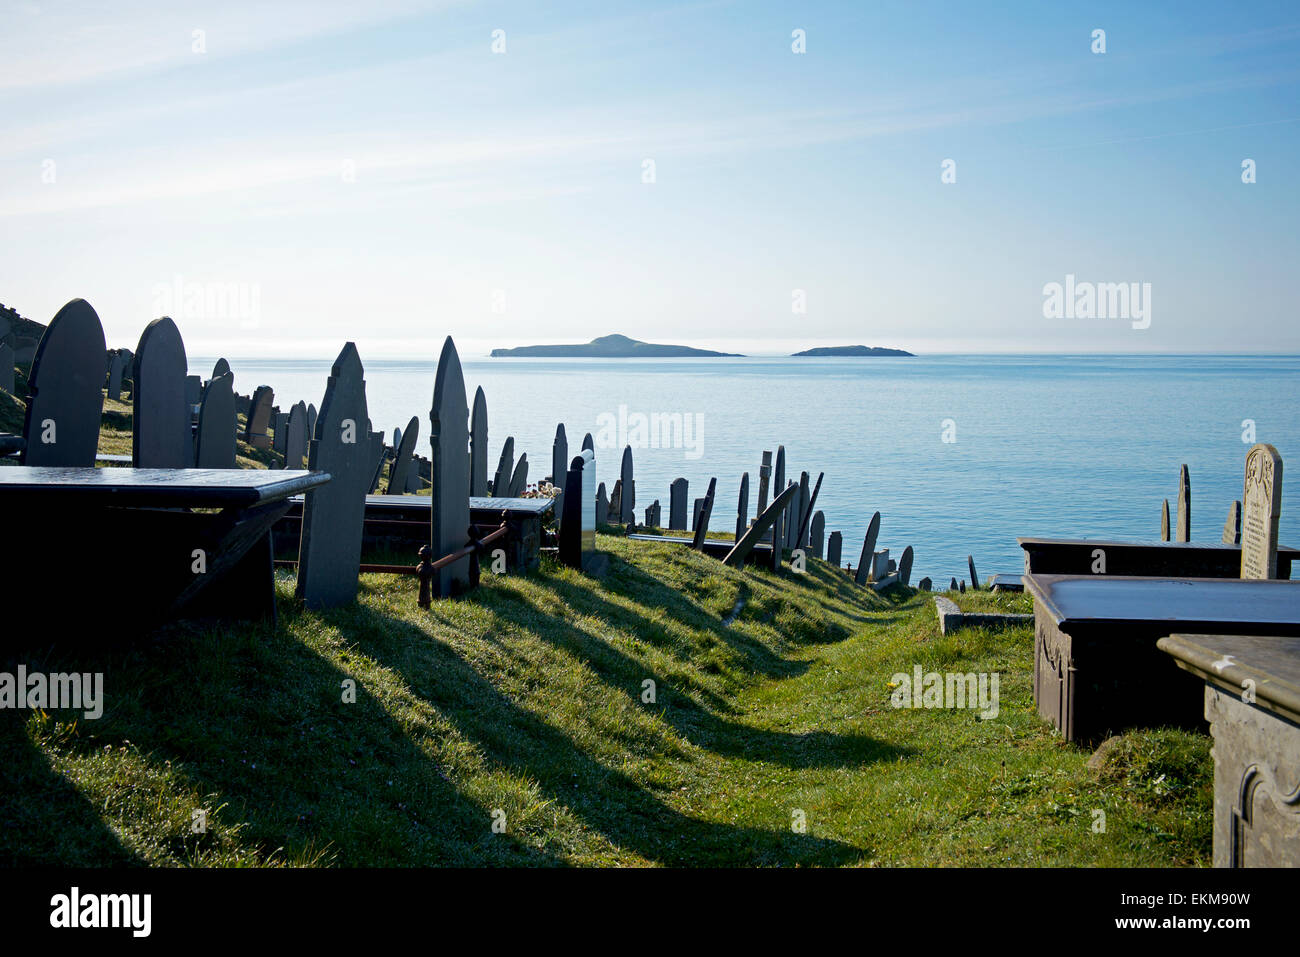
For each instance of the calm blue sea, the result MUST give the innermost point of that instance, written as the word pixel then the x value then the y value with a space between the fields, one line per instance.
pixel 1080 446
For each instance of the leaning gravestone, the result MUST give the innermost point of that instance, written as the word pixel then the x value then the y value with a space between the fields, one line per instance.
pixel 216 438
pixel 378 456
pixel 905 566
pixel 1184 529
pixel 559 469
pixel 868 549
pixel 161 435
pixel 505 469
pixel 1164 521
pixel 333 515
pixel 66 390
pixel 834 545
pixel 816 533
pixel 519 481
pixel 702 519
pixel 677 505
pixel 628 500
pixel 762 524
pixel 1232 525
pixel 295 442
pixel 478 446
pixel 6 368
pixel 449 439
pixel 742 507
pixel 401 466
pixel 602 503
pixel 1261 505
pixel 974 578
pixel 259 418
pixel 696 507
pixel 116 366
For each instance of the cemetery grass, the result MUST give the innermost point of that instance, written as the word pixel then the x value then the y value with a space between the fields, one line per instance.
pixel 525 703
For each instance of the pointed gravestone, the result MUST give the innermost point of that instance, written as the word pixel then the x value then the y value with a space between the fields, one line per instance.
pixel 1164 521
pixel 627 510
pixel 1183 532
pixel 216 438
pixel 66 390
pixel 797 514
pixel 116 366
pixel 1261 507
pixel 222 367
pixel 295 442
pixel 449 469
pixel 868 549
pixel 905 566
pixel 602 503
pixel 311 421
pixel 478 446
pixel 778 486
pixel 702 522
pixel 378 456
pixel 952 585
pixel 333 515
pixel 764 479
pixel 258 422
pixel 817 533
pixel 805 523
pixel 7 368
pixel 559 469
pixel 1232 525
pixel 974 578
pixel 833 547
pixel 505 469
pixel 519 480
pixel 615 501
pixel 161 436
pixel 677 504
pixel 742 507
pixel 587 444
pixel 401 466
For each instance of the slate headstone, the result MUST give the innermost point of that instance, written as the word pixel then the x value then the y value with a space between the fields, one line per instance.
pixel 66 390
pixel 258 422
pixel 220 368
pixel 905 566
pixel 378 456
pixel 1232 525
pixel 505 469
pixel 588 444
pixel 578 529
pixel 696 507
pixel 193 392
pixel 677 504
pixel 333 515
pixel 519 481
pixel 311 420
pixel 449 441
pixel 116 367
pixel 401 466
pixel 161 436
pixel 216 439
pixel 559 469
pixel 280 424
pixel 702 519
pixel 1261 507
pixel 952 586
pixel 764 479
pixel 1184 529
pixel 797 527
pixel 602 503
pixel 925 584
pixel 295 443
pixel 974 578
pixel 817 533
pixel 628 500
pixel 615 501
pixel 742 507
pixel 834 545
pixel 778 527
pixel 762 525
pixel 868 549
pixel 478 446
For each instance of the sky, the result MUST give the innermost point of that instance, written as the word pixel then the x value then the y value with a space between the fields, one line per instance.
pixel 282 177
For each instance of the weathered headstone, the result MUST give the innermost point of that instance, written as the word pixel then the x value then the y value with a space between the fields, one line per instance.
pixel 7 368
pixel 66 390
pixel 1232 525
pixel 817 533
pixel 402 453
pixel 258 422
pixel 616 501
pixel 834 545
pixel 628 500
pixel 413 475
pixel 798 537
pixel 764 480
pixel 559 469
pixel 702 519
pixel 333 516
pixel 1164 521
pixel 220 368
pixel 677 504
pixel 696 507
pixel 602 503
pixel 652 514
pixel 952 586
pixel 161 435
pixel 505 469
pixel 478 446
pixel 868 549
pixel 974 578
pixel 961 586
pixel 578 529
pixel 1184 530
pixel 925 584
pixel 216 438
pixel 116 367
pixel 519 481
pixel 905 566
pixel 280 426
pixel 449 467
pixel 778 527
pixel 742 507
pixel 295 443
pixel 879 564
pixel 1261 507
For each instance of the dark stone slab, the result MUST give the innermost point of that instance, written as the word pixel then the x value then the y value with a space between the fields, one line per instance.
pixel 764 482
pixel 379 454
pixel 1232 525
pixel 817 534
pixel 797 534
pixel 805 522
pixel 398 471
pixel 295 443
pixel 588 443
pixel 312 415
pixel 696 507
pixel 116 367
pixel 559 468
pixel 677 505
pixel 754 534
pixel 834 545
pixel 925 584
pixel 868 549
pixel 578 526
pixel 702 520
pixel 627 501
pixel 66 390
pixel 974 576
pixel 329 549
pixel 152 488
pixel 519 480
pixel 216 448
pixel 1007 583
pixel 478 445
pixel 449 441
pixel 220 368
pixel 505 469
pixel 778 527
pixel 602 504
pixel 1052 556
pixel 742 507
pixel 1183 532
pixel 258 421
pixel 615 501
pixel 280 429
pixel 905 567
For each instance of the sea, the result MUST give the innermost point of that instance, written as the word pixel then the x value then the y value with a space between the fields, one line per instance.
pixel 960 454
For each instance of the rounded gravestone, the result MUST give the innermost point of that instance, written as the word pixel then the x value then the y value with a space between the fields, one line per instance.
pixel 161 437
pixel 66 390
pixel 216 440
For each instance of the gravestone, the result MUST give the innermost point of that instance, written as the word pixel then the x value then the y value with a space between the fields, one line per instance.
pixel 7 368
pixel 193 392
pixel 834 545
pixel 311 421
pixel 66 390
pixel 216 438
pixel 652 515
pixel 628 500
pixel 333 515
pixel 1232 525
pixel 677 504
pixel 1164 521
pixel 762 524
pixel 879 564
pixel 505 469
pixel 925 584
pixel 295 443
pixel 161 436
pixel 449 468
pixel 905 566
pixel 378 455
pixel 242 403
pixel 280 425
pixel 1184 529
pixel 952 586
pixel 258 422
pixel 616 501
pixel 402 453
pixel 559 469
pixel 764 480
pixel 702 519
pixel 588 444
pixel 1261 507
pixel 578 529
pixel 602 503
pixel 222 367
pixel 519 481
pixel 696 506
pixel 742 507
pixel 868 549
pixel 116 366
pixel 798 537
pixel 974 578
pixel 817 532
pixel 778 487
pixel 478 446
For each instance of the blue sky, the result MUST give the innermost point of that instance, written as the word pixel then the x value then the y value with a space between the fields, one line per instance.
pixel 376 172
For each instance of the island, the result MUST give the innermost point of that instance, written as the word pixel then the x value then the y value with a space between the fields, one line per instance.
pixel 611 347
pixel 853 351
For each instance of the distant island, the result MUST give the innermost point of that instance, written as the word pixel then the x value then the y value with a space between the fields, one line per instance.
pixel 853 351
pixel 610 347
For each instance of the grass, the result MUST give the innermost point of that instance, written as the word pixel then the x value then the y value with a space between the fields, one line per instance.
pixel 527 704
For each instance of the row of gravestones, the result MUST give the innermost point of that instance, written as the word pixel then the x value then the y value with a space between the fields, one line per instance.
pixel 1182 528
